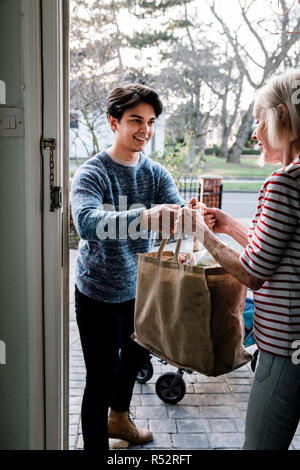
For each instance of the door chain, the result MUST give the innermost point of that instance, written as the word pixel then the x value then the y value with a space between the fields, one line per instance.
pixel 55 191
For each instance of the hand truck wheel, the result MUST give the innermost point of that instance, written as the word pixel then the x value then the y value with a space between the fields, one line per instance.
pixel 145 373
pixel 170 388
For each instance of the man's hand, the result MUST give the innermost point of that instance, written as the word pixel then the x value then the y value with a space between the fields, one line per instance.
pixel 160 218
pixel 191 222
pixel 209 218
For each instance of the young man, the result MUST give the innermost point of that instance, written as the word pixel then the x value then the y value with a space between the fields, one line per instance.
pixel 112 195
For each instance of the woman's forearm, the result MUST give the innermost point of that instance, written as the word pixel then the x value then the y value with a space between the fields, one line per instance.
pixel 230 260
pixel 238 232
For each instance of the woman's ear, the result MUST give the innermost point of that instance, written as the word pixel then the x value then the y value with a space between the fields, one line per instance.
pixel 283 113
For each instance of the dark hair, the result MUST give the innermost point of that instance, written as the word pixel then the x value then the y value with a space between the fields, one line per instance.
pixel 124 97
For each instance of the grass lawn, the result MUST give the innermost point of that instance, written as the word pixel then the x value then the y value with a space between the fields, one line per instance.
pixel 248 168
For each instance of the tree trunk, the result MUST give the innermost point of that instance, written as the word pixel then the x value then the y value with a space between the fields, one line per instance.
pixel 192 151
pixel 96 148
pixel 200 143
pixel 224 146
pixel 223 153
pixel 243 132
pixel 121 69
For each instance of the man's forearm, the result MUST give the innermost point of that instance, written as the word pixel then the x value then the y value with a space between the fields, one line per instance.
pixel 97 224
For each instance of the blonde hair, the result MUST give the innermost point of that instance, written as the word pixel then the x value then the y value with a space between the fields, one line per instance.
pixel 281 89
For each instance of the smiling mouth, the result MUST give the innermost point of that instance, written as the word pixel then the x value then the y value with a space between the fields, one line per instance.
pixel 140 139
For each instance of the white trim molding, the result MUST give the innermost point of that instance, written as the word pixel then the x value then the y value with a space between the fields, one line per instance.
pixel 66 216
pixel 55 271
pixel 33 231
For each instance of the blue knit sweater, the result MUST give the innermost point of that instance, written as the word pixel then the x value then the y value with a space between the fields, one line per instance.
pixel 107 200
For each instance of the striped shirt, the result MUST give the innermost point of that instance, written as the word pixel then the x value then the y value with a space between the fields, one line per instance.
pixel 273 254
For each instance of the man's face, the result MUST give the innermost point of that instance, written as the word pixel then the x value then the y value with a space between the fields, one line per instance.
pixel 135 128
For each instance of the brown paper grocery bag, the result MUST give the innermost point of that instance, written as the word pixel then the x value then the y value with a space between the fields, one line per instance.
pixel 190 316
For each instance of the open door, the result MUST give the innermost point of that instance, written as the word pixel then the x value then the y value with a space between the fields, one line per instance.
pixel 55 171
pixel 34 293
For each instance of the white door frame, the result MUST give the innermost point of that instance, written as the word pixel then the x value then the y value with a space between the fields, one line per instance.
pixel 55 126
pixel 45 52
pixel 33 233
pixel 66 216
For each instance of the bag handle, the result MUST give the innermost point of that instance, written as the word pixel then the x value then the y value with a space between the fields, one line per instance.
pixel 196 244
pixel 177 249
pixel 162 246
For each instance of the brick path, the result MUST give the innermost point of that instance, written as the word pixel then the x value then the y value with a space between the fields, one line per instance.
pixel 210 416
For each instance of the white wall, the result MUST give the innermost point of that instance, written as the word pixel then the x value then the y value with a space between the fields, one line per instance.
pixel 13 313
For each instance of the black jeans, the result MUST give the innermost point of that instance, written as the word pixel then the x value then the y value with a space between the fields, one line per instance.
pixel 112 361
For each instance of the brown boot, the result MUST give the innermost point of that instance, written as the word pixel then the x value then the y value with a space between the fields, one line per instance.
pixel 120 426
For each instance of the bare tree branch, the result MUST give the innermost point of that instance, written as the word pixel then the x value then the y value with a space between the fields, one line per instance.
pixel 253 31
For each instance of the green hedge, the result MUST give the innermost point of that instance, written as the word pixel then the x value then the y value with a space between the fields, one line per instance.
pixel 250 151
pixel 215 151
pixel 209 151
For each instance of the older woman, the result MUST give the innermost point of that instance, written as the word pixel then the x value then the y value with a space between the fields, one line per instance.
pixel 269 265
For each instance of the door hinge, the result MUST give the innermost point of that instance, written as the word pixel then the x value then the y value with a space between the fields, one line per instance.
pixel 55 191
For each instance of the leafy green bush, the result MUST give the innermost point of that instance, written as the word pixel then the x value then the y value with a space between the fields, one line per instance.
pixel 178 158
pixel 249 151
pixel 214 150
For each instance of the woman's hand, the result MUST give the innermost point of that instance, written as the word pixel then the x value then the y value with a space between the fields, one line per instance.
pixel 191 222
pixel 209 219
pixel 221 220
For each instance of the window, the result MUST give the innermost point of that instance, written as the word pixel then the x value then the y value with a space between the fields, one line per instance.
pixel 74 121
